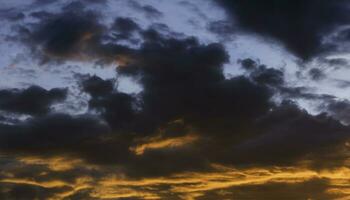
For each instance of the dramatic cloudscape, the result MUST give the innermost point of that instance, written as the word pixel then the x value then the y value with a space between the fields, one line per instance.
pixel 175 99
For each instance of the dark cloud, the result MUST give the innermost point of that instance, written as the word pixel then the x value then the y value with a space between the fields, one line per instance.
pixel 96 86
pixel 148 10
pixel 182 79
pixel 303 93
pixel 124 27
pixel 77 34
pixel 27 191
pixel 261 74
pixel 312 189
pixel 289 134
pixel 222 28
pixel 274 78
pixel 342 35
pixel 74 6
pixel 316 74
pixel 198 95
pixel 11 14
pixel 248 64
pixel 49 134
pixel 95 1
pixel 66 35
pixel 342 83
pixel 337 62
pixel 33 100
pixel 40 14
pixel 81 137
pixel 46 2
pixel 270 76
pixel 299 25
pixel 117 108
pixel 339 109
pixel 17 16
pixel 188 116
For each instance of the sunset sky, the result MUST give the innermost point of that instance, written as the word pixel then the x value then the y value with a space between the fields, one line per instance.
pixel 175 99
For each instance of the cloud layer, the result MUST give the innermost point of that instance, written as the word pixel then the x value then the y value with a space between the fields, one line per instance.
pixel 193 132
pixel 299 25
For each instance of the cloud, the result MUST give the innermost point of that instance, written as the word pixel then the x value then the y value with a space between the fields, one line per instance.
pixel 303 93
pixel 337 62
pixel 222 28
pixel 27 191
pixel 299 25
pixel 261 74
pixel 315 189
pixel 77 34
pixel 33 100
pixel 40 14
pixel 275 79
pixel 125 27
pixel 224 182
pixel 339 109
pixel 316 74
pixel 67 35
pixel 148 10
pixel 46 2
pixel 96 86
pixel 185 95
pixel 290 134
pixel 191 133
pixel 125 24
pixel 11 14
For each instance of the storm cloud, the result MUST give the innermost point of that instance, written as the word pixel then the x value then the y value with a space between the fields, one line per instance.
pixel 192 131
pixel 299 25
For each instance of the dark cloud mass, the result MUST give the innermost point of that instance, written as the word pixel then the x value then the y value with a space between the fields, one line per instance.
pixel 124 28
pixel 183 80
pixel 96 86
pixel 299 25
pixel 125 25
pixel 67 34
pixel 294 133
pixel 262 74
pixel 339 109
pixel 77 34
pixel 24 191
pixel 33 100
pixel 51 133
pixel 192 132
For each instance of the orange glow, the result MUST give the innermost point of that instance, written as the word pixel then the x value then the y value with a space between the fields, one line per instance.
pixel 159 143
pixel 187 186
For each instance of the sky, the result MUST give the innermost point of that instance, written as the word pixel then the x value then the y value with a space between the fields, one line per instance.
pixel 174 99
